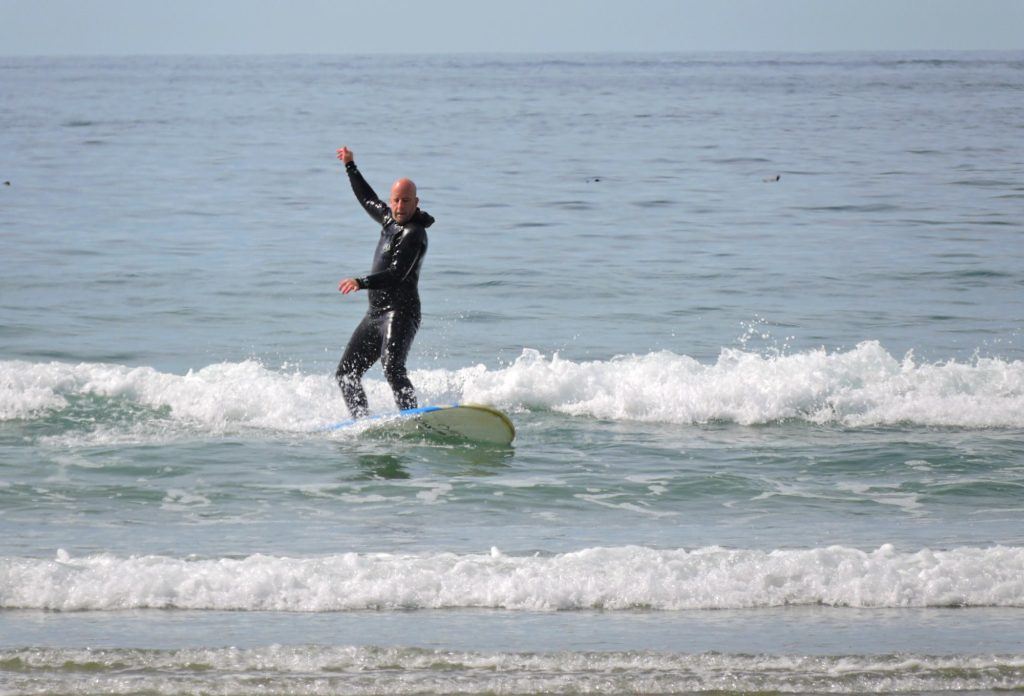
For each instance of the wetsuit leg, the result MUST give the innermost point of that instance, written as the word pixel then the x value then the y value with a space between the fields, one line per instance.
pixel 363 350
pixel 399 330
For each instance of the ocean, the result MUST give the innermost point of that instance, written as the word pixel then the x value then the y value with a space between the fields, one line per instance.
pixel 757 319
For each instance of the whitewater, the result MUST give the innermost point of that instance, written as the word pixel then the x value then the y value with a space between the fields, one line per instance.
pixel 864 386
pixel 607 579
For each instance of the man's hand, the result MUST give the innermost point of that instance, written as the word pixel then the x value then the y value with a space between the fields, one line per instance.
pixel 345 155
pixel 349 284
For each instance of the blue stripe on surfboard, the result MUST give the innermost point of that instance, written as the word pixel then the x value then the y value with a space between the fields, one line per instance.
pixel 424 409
pixel 407 413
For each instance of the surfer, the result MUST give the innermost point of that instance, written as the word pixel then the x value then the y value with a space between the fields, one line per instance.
pixel 393 317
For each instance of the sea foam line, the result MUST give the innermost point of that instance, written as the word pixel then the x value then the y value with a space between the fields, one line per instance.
pixel 619 578
pixel 359 670
pixel 859 387
pixel 863 386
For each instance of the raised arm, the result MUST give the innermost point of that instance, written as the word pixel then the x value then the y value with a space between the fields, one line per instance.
pixel 372 204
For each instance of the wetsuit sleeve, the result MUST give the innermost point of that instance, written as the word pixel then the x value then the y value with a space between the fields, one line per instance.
pixel 408 249
pixel 365 195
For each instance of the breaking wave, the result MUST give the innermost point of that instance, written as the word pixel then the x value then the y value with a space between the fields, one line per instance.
pixel 864 386
pixel 618 578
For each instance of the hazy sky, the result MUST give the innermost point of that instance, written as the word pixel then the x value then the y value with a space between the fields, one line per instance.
pixel 73 27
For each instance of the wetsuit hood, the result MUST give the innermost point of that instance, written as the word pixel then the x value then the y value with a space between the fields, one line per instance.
pixel 424 218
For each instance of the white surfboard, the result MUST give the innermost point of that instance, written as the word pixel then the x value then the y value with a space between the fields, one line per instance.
pixel 472 422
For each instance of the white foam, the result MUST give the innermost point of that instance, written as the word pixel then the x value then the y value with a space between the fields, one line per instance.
pixel 180 500
pixel 26 389
pixel 608 500
pixel 864 386
pixel 597 578
pixel 434 492
pixel 909 502
pixel 216 398
pixel 399 670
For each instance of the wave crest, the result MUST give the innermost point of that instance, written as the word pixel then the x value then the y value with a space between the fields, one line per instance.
pixel 618 578
pixel 860 387
pixel 864 386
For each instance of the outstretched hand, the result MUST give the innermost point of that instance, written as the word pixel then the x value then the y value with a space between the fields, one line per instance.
pixel 345 155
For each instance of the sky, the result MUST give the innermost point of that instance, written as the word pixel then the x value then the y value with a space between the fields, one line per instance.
pixel 132 27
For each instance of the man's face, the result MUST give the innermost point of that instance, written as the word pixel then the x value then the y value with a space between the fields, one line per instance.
pixel 403 201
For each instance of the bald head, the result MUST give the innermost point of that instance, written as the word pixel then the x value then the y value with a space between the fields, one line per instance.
pixel 403 200
pixel 405 186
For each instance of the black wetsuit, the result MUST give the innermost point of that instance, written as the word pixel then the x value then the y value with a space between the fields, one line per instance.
pixel 390 324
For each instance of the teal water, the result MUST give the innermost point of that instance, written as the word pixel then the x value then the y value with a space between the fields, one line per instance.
pixel 757 319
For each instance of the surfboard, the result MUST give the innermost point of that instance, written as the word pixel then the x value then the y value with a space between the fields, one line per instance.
pixel 472 422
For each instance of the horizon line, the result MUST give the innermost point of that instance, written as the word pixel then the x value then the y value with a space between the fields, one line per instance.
pixel 517 53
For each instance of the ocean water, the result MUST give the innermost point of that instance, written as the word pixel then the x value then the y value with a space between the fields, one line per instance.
pixel 757 319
